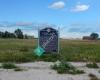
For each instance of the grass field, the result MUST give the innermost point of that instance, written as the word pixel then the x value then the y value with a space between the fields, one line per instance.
pixel 14 50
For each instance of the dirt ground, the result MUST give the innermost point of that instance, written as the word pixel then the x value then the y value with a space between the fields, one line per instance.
pixel 42 71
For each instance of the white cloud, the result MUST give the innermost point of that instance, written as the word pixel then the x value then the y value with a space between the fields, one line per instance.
pixel 80 8
pixel 57 5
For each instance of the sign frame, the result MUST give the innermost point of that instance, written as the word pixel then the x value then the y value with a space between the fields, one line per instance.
pixel 58 35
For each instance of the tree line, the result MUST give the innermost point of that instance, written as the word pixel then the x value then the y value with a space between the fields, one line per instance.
pixel 16 34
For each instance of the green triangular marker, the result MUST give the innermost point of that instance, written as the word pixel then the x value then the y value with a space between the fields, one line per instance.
pixel 39 51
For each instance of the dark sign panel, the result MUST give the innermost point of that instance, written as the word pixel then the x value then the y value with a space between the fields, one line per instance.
pixel 48 39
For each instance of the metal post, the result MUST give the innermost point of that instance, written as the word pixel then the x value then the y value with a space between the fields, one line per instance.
pixel 38 37
pixel 58 40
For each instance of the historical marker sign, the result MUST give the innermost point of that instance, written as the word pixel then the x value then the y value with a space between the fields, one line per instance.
pixel 48 39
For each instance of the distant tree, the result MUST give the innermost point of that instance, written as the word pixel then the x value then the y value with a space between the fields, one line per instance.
pixel 19 33
pixel 26 36
pixel 1 34
pixel 6 34
pixel 12 35
pixel 94 36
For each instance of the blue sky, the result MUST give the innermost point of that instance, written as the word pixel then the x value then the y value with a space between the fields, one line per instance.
pixel 75 18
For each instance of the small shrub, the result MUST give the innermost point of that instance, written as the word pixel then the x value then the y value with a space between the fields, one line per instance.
pixel 75 71
pixel 64 67
pixel 92 65
pixel 8 66
pixel 18 69
pixel 80 71
pixel 93 77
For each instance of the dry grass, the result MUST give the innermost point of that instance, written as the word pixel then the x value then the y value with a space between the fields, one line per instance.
pixel 17 50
